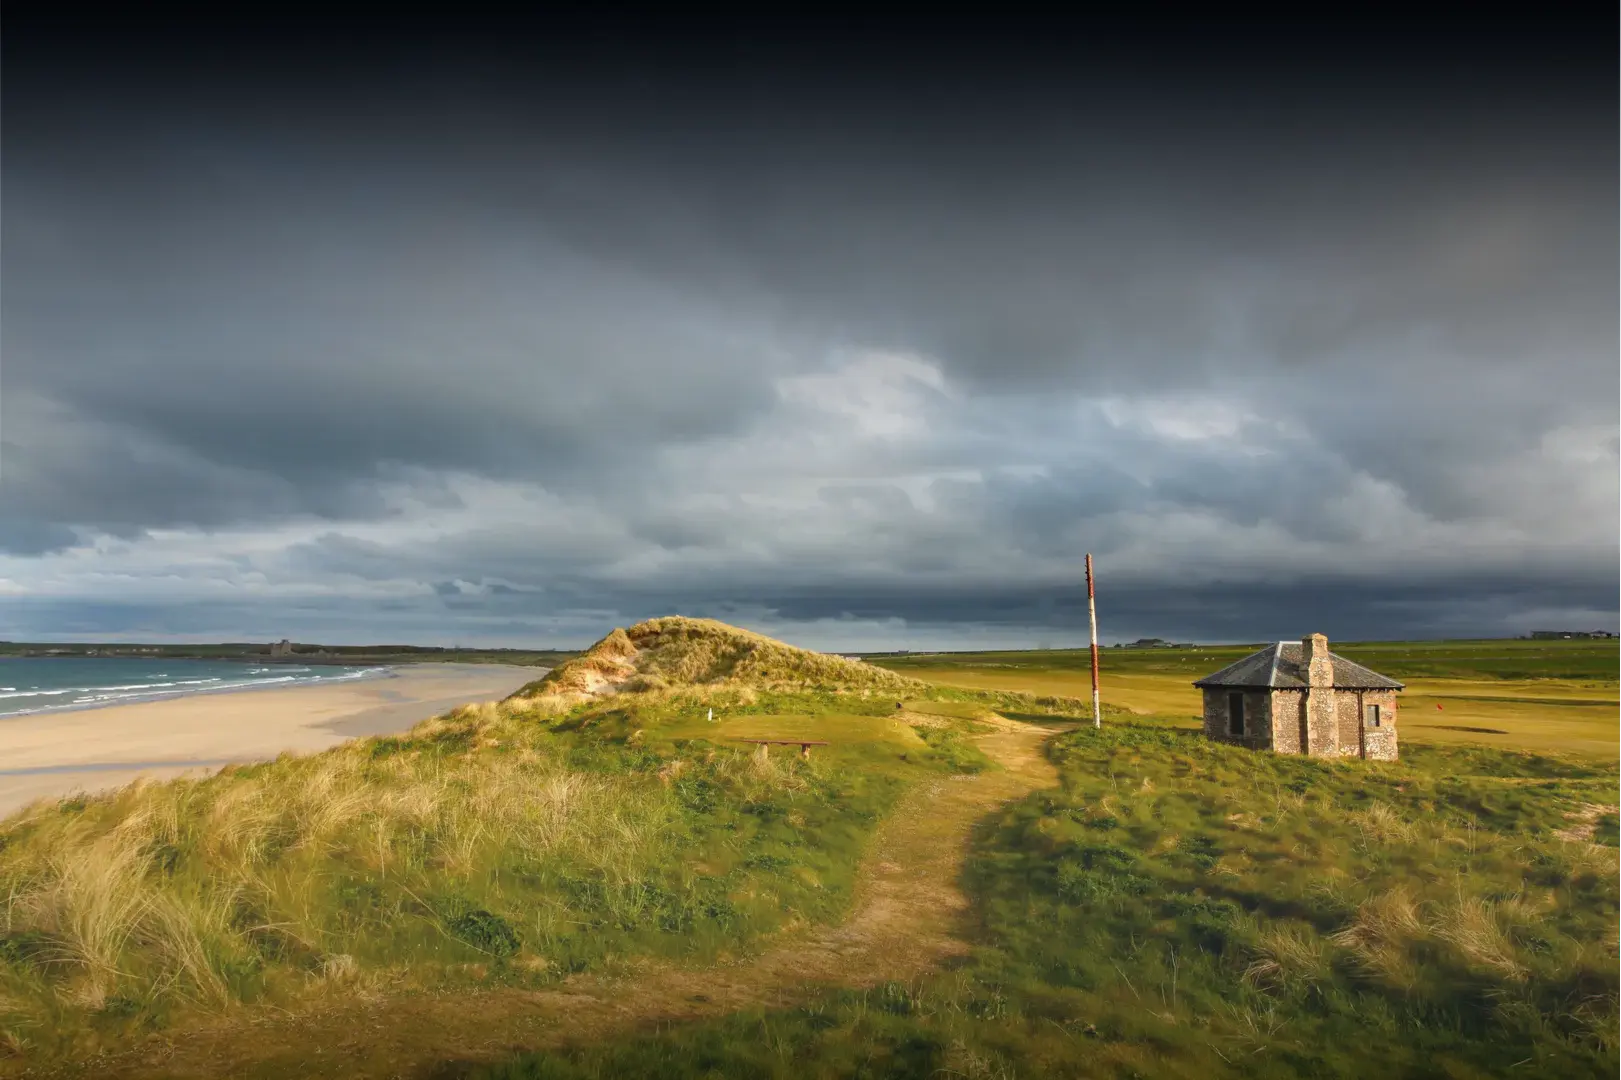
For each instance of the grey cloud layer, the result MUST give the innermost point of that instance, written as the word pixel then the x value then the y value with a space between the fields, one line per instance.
pixel 815 372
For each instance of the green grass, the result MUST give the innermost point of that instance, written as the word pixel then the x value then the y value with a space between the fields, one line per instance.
pixel 1577 660
pixel 1172 908
pixel 1550 696
pixel 1607 830
pixel 863 730
pixel 492 846
pixel 680 652
pixel 513 843
pixel 1186 909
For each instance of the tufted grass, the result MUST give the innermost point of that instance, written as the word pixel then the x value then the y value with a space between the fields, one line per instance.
pixel 1184 909
pixel 498 844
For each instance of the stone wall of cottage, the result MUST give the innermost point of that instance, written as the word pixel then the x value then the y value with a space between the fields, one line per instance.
pixel 1287 714
pixel 1351 738
pixel 1379 744
pixel 1330 717
pixel 1322 726
pixel 1347 723
pixel 1257 718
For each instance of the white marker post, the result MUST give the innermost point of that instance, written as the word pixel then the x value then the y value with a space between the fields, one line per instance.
pixel 1092 613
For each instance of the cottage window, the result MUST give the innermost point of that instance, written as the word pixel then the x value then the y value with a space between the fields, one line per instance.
pixel 1371 713
pixel 1235 714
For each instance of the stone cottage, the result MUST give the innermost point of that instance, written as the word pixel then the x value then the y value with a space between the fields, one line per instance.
pixel 1299 698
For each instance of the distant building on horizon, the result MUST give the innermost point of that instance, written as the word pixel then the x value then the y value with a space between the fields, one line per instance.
pixel 1548 635
pixel 1299 698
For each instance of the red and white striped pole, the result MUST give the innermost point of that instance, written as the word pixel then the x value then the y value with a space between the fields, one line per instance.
pixel 1092 613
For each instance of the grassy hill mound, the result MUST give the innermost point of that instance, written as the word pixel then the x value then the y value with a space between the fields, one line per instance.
pixel 1178 908
pixel 1170 907
pixel 615 812
pixel 679 652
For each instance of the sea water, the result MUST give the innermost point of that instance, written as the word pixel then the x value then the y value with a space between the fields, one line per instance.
pixel 30 684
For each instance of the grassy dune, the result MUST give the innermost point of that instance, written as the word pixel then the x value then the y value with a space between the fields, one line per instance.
pixel 1171 908
pixel 661 653
pixel 509 843
pixel 1184 909
pixel 485 847
pixel 1178 908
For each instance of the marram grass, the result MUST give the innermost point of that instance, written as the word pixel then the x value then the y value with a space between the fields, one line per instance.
pixel 500 843
pixel 1178 908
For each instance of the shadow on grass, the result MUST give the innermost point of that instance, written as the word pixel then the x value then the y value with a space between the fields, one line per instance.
pixel 1056 723
pixel 1180 907
pixel 1065 722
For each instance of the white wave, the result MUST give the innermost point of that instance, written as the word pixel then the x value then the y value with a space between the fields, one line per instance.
pixel 94 696
pixel 141 686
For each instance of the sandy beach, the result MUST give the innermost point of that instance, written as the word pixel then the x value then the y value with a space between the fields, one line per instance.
pixel 48 755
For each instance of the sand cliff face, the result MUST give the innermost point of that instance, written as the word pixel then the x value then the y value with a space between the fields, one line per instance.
pixel 676 651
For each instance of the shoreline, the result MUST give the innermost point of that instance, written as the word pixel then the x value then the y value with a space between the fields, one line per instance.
pixel 364 673
pixel 55 754
pixel 465 658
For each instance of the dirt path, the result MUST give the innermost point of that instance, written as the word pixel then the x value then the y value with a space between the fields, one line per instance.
pixel 907 918
pixel 1586 822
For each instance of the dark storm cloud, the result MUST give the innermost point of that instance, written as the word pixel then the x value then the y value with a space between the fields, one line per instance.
pixel 25 537
pixel 529 323
pixel 1233 612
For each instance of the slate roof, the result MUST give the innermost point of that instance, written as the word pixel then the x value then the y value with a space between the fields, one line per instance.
pixel 1283 666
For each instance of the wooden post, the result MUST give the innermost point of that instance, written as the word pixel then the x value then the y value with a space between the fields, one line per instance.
pixel 1092 614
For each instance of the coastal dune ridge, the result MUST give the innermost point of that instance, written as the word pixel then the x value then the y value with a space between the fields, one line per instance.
pixel 57 752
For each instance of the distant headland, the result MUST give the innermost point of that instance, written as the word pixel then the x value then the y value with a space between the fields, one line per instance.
pixel 289 652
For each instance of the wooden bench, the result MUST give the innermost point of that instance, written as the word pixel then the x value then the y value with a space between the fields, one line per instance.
pixel 803 744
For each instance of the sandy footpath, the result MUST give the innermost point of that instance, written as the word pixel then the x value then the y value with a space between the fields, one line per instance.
pixel 48 755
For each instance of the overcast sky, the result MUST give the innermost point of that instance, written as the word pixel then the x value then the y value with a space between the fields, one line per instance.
pixel 862 336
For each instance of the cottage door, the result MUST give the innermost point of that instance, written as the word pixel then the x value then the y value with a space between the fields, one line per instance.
pixel 1305 728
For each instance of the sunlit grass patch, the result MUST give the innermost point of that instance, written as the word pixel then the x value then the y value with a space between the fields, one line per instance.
pixel 496 843
pixel 1178 908
pixel 1546 696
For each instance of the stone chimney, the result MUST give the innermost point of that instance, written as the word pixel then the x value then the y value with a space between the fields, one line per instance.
pixel 1314 657
pixel 1321 735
